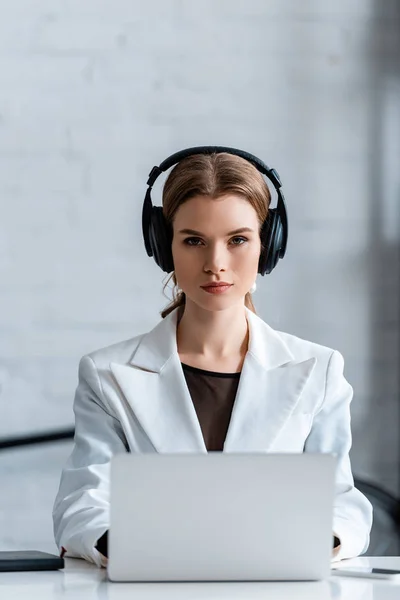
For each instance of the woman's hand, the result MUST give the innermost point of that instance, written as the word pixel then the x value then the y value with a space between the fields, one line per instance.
pixel 336 545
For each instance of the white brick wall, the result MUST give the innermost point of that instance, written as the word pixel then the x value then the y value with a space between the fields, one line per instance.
pixel 92 94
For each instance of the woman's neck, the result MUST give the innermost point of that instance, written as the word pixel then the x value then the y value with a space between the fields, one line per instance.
pixel 212 335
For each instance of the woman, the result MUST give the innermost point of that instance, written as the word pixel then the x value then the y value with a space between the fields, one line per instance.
pixel 212 375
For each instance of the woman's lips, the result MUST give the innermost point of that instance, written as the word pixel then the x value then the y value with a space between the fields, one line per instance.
pixel 217 289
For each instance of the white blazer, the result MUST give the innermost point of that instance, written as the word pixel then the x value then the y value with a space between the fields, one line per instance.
pixel 292 397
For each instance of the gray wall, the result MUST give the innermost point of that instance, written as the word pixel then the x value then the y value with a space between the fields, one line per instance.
pixel 92 94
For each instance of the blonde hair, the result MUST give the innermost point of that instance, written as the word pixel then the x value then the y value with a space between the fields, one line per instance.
pixel 212 175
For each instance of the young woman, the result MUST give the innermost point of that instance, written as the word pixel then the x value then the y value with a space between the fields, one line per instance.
pixel 212 375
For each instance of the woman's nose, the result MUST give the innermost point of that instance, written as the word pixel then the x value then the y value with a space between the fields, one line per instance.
pixel 215 260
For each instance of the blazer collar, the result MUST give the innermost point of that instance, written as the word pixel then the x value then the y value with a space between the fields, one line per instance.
pixel 157 346
pixel 270 388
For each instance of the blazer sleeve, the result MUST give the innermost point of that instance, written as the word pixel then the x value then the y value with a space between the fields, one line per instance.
pixel 81 507
pixel 331 433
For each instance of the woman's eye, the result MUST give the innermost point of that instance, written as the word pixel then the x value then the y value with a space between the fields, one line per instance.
pixel 241 240
pixel 189 241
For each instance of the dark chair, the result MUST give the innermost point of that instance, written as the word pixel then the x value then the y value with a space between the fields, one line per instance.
pixel 385 532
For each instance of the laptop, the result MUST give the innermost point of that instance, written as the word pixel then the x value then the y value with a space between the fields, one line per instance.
pixel 221 517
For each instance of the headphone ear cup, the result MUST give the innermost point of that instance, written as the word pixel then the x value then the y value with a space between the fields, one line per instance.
pixel 160 238
pixel 271 239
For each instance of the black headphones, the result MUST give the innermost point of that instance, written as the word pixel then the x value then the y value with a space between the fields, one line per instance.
pixel 157 233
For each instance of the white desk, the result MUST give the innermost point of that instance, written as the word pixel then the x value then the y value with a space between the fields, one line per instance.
pixel 83 581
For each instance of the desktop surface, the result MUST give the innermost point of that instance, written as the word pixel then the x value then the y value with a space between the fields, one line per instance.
pixel 82 580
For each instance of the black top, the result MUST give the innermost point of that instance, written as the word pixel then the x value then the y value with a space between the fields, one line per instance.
pixel 213 395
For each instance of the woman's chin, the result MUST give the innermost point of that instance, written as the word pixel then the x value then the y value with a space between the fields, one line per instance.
pixel 215 302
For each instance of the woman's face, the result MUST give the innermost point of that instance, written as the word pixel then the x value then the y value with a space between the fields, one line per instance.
pixel 216 240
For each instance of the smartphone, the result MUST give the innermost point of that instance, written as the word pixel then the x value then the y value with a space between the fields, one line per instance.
pixel 29 560
pixel 388 574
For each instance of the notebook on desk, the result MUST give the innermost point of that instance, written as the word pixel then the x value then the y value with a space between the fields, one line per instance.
pixel 221 517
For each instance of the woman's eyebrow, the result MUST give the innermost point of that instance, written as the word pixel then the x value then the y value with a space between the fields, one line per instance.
pixel 194 232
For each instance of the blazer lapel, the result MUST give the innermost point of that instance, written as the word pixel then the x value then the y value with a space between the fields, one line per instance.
pixel 269 390
pixel 270 387
pixel 265 401
pixel 155 387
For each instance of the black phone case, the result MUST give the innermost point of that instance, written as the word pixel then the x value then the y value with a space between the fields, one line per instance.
pixel 29 560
